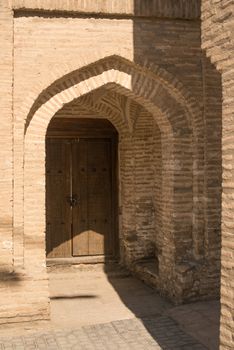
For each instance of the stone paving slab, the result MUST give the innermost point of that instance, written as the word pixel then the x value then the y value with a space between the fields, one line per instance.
pixel 161 333
pixel 200 320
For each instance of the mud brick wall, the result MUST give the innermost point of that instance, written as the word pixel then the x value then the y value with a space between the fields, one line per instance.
pixel 218 43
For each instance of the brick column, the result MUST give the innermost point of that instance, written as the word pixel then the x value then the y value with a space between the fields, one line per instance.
pixel 218 41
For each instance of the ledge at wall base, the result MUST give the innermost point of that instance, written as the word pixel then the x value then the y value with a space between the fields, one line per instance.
pixel 95 259
pixel 40 315
pixel 147 271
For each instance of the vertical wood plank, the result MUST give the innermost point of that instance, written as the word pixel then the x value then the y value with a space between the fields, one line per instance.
pixel 80 244
pixel 58 211
pixel 99 196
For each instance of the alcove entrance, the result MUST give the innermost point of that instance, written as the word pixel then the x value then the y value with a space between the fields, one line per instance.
pixel 81 190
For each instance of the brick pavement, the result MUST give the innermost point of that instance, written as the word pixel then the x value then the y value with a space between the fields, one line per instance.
pixel 150 333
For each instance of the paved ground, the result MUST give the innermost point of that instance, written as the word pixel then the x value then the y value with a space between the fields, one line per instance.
pixel 201 320
pixel 160 333
pixel 94 310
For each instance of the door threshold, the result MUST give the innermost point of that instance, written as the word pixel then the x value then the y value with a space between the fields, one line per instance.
pixel 97 259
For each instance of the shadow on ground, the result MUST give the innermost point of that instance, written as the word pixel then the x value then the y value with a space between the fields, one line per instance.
pixel 172 327
pixel 80 298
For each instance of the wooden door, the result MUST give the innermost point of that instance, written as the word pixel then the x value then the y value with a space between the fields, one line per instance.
pixel 81 197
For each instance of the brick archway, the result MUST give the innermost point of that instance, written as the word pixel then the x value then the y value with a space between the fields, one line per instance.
pixel 163 89
pixel 175 121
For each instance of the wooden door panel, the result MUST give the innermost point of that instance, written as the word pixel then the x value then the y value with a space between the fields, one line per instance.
pixel 58 213
pixel 99 196
pixel 80 244
pixel 92 217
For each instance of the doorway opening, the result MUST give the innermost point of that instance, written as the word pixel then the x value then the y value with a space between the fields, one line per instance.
pixel 81 191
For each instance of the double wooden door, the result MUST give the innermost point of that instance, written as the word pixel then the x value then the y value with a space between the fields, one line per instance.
pixel 80 197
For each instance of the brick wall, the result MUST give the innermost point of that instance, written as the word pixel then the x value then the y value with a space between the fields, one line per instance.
pixel 14 283
pixel 155 8
pixel 218 43
pixel 151 57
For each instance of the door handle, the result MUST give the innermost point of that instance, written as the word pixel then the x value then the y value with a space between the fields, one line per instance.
pixel 73 200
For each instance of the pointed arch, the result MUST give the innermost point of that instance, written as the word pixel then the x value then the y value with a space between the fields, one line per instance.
pixel 175 113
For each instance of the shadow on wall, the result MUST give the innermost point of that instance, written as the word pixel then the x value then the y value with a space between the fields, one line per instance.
pixel 10 278
pixel 175 45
